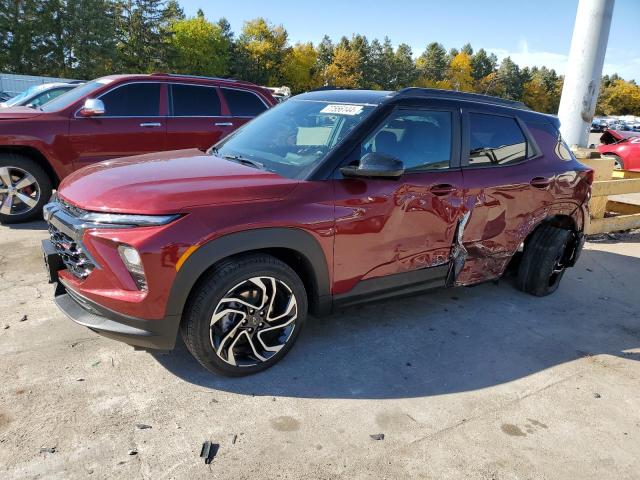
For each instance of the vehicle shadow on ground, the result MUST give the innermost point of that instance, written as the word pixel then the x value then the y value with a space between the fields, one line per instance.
pixel 35 225
pixel 450 340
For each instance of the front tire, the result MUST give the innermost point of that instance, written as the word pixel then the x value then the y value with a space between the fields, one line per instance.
pixel 543 262
pixel 245 315
pixel 24 188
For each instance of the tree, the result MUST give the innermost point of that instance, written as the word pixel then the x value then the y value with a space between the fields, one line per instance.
pixel 482 64
pixel 432 64
pixel 325 53
pixel 404 67
pixel 382 64
pixel 198 47
pixel 466 48
pixel 140 36
pixel 509 80
pixel 261 49
pixel 459 72
pixel 344 71
pixel 535 95
pixel 360 46
pixel 619 97
pixel 89 44
pixel 301 68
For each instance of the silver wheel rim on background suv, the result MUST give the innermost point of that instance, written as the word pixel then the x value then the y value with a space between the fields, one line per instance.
pixel 253 321
pixel 19 191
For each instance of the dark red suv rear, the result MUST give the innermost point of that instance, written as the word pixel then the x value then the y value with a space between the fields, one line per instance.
pixel 112 117
pixel 330 199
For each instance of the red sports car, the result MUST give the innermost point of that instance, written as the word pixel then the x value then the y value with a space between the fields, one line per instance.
pixel 623 146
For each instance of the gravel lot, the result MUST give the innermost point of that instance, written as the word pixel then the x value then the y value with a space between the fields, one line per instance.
pixel 481 382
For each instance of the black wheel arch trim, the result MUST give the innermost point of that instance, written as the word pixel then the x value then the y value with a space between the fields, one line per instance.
pixel 259 239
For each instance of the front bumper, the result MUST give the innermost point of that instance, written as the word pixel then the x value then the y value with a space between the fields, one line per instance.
pixel 146 334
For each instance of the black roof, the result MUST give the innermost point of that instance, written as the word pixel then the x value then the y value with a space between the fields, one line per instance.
pixel 371 97
pixel 376 97
pixel 413 92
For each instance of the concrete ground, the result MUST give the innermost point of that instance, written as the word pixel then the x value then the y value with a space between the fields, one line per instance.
pixel 483 382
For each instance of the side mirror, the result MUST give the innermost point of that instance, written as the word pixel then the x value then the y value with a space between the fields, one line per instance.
pixel 92 108
pixel 375 165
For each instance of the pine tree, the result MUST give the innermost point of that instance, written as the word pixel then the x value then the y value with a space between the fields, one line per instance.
pixel 432 64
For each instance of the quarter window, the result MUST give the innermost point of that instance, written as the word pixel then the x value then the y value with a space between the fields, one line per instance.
pixel 242 103
pixel 495 140
pixel 133 100
pixel 195 101
pixel 421 139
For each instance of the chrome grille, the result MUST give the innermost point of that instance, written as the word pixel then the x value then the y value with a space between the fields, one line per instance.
pixel 71 252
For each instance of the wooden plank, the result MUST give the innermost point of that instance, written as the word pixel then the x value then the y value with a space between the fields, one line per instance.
pixel 597 207
pixel 624 174
pixel 622 208
pixel 602 167
pixel 613 224
pixel 615 187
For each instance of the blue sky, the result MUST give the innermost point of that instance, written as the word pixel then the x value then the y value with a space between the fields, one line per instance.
pixel 531 32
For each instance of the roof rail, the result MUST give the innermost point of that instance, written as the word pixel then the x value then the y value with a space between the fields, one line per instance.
pixel 203 77
pixel 452 94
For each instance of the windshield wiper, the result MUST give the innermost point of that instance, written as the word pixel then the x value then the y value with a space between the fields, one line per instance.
pixel 244 161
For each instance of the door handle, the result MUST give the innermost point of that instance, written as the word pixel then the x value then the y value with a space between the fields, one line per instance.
pixel 442 189
pixel 223 124
pixel 540 182
pixel 151 124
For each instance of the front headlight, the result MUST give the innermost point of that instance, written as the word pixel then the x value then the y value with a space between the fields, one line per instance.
pixel 126 219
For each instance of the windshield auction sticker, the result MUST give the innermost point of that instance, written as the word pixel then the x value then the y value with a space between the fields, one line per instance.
pixel 343 109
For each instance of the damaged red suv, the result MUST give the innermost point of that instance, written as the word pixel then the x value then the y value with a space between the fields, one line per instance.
pixel 327 200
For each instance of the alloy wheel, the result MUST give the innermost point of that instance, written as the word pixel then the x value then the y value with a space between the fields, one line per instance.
pixel 253 321
pixel 617 165
pixel 19 191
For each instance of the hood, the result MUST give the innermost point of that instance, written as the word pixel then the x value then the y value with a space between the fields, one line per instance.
pixel 17 113
pixel 615 136
pixel 169 182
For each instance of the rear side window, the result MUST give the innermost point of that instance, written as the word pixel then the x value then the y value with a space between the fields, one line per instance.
pixel 133 100
pixel 195 101
pixel 243 103
pixel 495 140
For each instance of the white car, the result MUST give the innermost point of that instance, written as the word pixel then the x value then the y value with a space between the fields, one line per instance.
pixel 37 95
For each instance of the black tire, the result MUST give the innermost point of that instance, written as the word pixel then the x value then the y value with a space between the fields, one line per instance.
pixel 207 298
pixel 542 265
pixel 619 165
pixel 17 163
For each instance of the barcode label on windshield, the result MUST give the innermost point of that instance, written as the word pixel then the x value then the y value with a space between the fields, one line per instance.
pixel 343 109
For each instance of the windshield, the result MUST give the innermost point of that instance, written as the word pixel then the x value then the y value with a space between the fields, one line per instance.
pixel 293 137
pixel 28 92
pixel 74 95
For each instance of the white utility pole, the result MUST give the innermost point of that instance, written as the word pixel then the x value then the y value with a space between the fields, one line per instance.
pixel 582 78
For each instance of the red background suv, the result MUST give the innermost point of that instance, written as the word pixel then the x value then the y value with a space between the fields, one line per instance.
pixel 111 117
pixel 329 199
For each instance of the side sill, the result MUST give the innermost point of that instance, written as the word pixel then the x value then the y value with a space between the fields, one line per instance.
pixel 390 286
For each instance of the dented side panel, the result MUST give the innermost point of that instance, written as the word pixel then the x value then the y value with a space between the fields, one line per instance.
pixel 504 208
pixel 384 227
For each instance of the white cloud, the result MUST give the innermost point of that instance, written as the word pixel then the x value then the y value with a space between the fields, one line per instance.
pixel 525 57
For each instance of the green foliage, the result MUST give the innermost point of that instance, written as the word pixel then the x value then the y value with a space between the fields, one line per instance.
pixel 618 97
pixel 90 38
pixel 260 52
pixel 198 47
pixel 432 64
pixel 482 64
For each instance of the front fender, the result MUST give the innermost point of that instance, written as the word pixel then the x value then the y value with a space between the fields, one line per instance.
pixel 220 248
